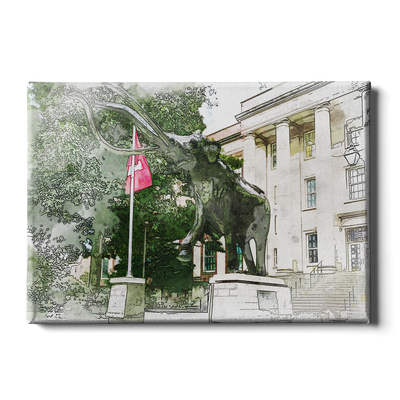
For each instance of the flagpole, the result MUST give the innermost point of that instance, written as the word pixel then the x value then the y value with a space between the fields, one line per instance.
pixel 129 274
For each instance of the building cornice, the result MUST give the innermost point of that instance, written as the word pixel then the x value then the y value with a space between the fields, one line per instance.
pixel 230 138
pixel 366 86
pixel 236 124
pixel 308 87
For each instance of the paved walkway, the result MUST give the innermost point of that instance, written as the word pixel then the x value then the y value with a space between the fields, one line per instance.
pixel 174 317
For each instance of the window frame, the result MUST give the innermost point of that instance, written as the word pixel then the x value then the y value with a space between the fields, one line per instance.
pixel 239 257
pixel 274 157
pixel 350 185
pixel 353 136
pixel 307 193
pixel 312 146
pixel 208 257
pixel 102 268
pixel 313 249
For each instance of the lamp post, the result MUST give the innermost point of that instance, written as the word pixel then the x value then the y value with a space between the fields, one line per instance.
pixel 146 224
pixel 351 154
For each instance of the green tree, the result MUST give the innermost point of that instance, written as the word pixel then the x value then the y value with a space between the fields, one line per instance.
pixel 178 111
pixel 175 111
pixel 165 222
pixel 75 187
pixel 233 161
pixel 71 179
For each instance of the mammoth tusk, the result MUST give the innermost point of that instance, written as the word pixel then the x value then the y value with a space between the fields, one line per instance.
pixel 116 150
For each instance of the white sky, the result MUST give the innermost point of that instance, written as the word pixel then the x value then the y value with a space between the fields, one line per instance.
pixel 225 96
pixel 228 97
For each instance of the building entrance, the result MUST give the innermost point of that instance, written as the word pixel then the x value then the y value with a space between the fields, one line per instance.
pixel 357 248
pixel 358 254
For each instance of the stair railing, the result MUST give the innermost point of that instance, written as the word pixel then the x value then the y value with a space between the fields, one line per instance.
pixel 204 306
pixel 350 304
pixel 317 268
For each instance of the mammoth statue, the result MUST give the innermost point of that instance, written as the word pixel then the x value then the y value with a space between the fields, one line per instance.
pixel 233 207
pixel 236 209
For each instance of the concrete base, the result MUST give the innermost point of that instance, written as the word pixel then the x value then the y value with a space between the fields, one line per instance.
pixel 248 298
pixel 175 317
pixel 126 304
pixel 284 272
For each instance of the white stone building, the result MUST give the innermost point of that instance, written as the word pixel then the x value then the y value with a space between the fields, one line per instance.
pixel 293 138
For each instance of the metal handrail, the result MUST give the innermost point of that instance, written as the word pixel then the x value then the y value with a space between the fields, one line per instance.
pixel 316 268
pixel 204 307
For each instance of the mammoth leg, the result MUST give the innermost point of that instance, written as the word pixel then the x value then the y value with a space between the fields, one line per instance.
pixel 231 253
pixel 261 228
pixel 260 250
pixel 248 257
pixel 194 234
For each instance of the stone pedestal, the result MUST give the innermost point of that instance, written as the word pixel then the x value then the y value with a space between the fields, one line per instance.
pixel 126 304
pixel 248 298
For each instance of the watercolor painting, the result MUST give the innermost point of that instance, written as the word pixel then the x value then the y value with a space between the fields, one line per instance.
pixel 198 202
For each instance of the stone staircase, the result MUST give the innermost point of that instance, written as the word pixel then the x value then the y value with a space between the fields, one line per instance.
pixel 337 296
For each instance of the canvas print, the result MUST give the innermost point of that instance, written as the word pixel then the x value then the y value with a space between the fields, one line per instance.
pixel 198 202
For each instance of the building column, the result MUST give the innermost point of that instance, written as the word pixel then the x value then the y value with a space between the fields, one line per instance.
pixel 221 259
pixel 365 97
pixel 324 203
pixel 197 260
pixel 296 208
pixel 255 162
pixel 249 156
pixel 283 220
pixel 261 168
pixel 323 132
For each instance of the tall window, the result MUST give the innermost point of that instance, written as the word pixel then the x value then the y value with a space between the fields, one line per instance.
pixel 309 143
pixel 239 257
pixel 210 258
pixel 312 243
pixel 273 154
pixel 275 257
pixel 356 183
pixel 104 269
pixel 353 137
pixel 311 193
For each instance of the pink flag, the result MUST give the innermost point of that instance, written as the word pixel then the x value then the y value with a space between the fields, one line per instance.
pixel 141 171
